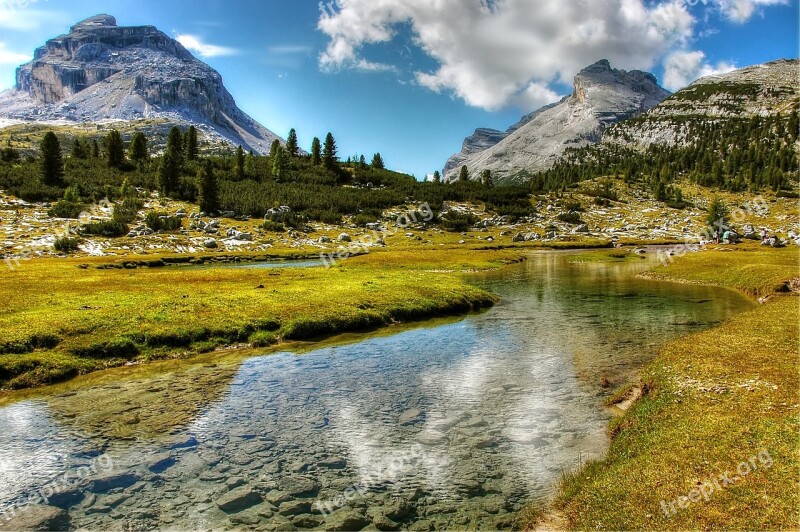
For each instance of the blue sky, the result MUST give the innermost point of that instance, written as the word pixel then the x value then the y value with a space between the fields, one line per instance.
pixel 412 78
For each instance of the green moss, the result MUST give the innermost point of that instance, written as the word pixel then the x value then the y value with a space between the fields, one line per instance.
pixel 263 339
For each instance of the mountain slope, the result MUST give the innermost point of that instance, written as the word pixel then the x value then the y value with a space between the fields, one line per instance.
pixel 102 72
pixel 760 90
pixel 738 131
pixel 602 96
pixel 485 138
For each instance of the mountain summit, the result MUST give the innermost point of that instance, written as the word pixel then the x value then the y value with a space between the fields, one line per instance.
pixel 601 97
pixel 104 72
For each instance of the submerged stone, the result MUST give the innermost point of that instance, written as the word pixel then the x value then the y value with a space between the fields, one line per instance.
pixel 238 500
pixel 37 517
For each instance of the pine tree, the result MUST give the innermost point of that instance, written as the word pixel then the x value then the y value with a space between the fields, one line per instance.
pixel 9 154
pixel 115 150
pixel 678 196
pixel 250 165
pixel 78 150
pixel 718 216
pixel 486 178
pixel 437 177
pixel 126 190
pixel 240 163
pixel 209 192
pixel 292 148
pixel 329 152
pixel 377 162
pixel 95 149
pixel 137 151
pixel 175 143
pixel 171 163
pixel 191 144
pixel 276 144
pixel 52 163
pixel 278 165
pixel 464 175
pixel 316 152
pixel 362 162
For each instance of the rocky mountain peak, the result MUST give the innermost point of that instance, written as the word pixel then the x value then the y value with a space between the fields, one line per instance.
pixel 602 96
pixel 101 71
pixel 603 76
pixel 604 65
pixel 96 21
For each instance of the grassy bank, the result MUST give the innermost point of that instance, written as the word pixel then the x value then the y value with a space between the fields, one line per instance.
pixel 712 401
pixel 62 318
pixel 750 268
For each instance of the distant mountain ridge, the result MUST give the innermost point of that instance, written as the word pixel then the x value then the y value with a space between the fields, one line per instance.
pixel 601 97
pixel 103 72
pixel 763 90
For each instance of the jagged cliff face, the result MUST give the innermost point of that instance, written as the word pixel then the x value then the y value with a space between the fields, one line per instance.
pixel 601 97
pixel 760 90
pixel 100 71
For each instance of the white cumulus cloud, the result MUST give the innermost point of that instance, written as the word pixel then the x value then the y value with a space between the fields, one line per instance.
pixel 494 53
pixel 196 45
pixel 684 67
pixel 743 10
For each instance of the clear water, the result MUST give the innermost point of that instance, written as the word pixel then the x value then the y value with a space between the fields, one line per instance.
pixel 453 426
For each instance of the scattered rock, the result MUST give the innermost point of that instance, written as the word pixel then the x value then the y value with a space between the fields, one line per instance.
pixel 66 499
pixel 238 500
pixel 306 521
pixel 110 481
pixel 160 463
pixel 37 517
pixel 382 522
pixel 298 486
pixel 582 228
pixel 421 525
pixel 410 416
pixel 277 497
pixel 295 507
pixel 397 510
pixel 346 520
pixel 333 463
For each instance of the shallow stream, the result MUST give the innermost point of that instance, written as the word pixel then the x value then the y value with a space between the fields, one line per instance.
pixel 456 425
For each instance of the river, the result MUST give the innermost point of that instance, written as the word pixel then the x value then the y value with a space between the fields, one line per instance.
pixel 456 424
